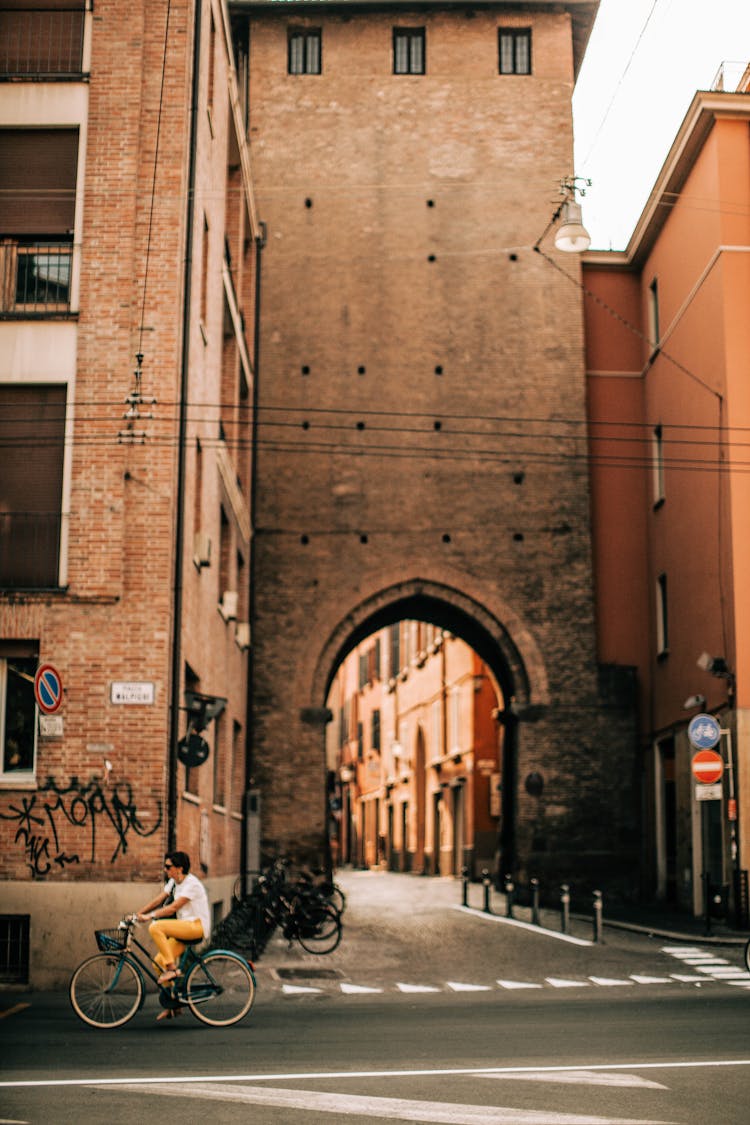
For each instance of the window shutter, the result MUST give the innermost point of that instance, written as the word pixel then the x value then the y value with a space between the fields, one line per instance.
pixel 32 435
pixel 37 181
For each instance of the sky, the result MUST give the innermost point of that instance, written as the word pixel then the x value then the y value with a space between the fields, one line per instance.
pixel 643 64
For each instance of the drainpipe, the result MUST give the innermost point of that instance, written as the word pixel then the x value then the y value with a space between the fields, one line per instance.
pixel 179 531
pixel 260 242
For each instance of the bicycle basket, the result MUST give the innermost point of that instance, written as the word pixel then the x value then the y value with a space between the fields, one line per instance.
pixel 107 940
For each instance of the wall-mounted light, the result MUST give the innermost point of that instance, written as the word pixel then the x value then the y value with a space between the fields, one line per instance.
pixel 693 702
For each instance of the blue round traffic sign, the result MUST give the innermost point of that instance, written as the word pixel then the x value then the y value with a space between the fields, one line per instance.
pixel 704 732
pixel 48 689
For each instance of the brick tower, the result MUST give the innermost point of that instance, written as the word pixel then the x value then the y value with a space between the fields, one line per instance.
pixel 421 426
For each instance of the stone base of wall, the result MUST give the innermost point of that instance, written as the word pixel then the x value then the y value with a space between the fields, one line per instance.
pixel 64 916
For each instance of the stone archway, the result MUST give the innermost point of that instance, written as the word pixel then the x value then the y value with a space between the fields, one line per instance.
pixel 512 656
pixel 515 665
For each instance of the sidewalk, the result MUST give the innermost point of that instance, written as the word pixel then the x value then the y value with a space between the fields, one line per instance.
pixel 658 920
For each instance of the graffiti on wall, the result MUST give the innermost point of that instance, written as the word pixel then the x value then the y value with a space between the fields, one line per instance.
pixel 85 811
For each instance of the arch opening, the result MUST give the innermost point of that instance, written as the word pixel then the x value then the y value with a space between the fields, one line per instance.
pixel 421 749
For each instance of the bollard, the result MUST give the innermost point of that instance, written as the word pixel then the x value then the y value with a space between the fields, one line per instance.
pixel 486 883
pixel 565 907
pixel 597 915
pixel 465 886
pixel 509 888
pixel 535 902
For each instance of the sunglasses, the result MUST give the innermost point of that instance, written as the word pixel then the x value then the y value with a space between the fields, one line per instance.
pixel 168 866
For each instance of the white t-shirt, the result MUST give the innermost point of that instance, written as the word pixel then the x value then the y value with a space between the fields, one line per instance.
pixel 197 905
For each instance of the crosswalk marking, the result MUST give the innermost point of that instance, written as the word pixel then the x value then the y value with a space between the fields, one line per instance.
pixel 390 1109
pixel 416 988
pixel 558 982
pixel 586 1078
pixel 704 969
pixel 611 982
pixel 510 984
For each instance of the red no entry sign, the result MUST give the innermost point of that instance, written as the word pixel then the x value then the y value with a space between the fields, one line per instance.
pixel 48 689
pixel 707 766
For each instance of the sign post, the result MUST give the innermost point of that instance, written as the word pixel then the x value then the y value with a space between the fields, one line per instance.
pixel 48 689
pixel 704 732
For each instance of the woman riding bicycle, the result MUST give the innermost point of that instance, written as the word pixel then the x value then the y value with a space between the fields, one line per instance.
pixel 177 915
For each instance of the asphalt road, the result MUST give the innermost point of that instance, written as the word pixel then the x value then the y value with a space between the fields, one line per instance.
pixel 425 1013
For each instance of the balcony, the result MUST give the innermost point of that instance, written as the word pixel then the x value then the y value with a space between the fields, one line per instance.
pixel 29 550
pixel 35 276
pixel 42 42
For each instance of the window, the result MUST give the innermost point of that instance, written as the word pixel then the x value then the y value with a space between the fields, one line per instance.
pixel 375 730
pixel 305 51
pixel 657 444
pixel 32 445
pixel 662 632
pixel 653 314
pixel 514 50
pixel 38 169
pixel 41 38
pixel 220 780
pixel 395 647
pixel 18 665
pixel 455 720
pixel 14 948
pixel 408 50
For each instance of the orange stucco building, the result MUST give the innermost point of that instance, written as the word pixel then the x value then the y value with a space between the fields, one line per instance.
pixel 667 353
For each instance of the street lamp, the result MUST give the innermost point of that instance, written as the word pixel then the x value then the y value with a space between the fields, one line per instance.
pixel 571 236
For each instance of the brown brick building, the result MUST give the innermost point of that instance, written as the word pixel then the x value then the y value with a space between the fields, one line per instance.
pixel 127 230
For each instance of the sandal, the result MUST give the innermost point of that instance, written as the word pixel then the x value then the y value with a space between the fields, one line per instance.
pixel 169 975
pixel 168 1014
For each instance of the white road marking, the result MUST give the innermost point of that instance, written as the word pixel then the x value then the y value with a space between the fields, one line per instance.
pixel 357 989
pixel 522 925
pixel 558 982
pixel 610 982
pixel 291 989
pixel 639 979
pixel 687 979
pixel 391 1109
pixel 588 1078
pixel 457 986
pixel 417 988
pixel 517 984
pixel 443 1072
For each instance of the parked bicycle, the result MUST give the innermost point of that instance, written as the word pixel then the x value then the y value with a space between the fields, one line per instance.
pixel 107 989
pixel 747 956
pixel 299 907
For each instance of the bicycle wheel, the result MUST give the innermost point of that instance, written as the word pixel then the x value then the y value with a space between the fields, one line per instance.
pixel 318 930
pixel 220 989
pixel 106 990
pixel 747 956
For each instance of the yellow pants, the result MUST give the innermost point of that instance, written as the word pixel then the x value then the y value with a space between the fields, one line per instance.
pixel 168 935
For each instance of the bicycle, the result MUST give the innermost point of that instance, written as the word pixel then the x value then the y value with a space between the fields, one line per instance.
pixel 747 956
pixel 303 914
pixel 108 988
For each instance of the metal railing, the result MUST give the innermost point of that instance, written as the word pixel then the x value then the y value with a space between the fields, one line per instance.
pixel 35 276
pixel 732 78
pixel 41 42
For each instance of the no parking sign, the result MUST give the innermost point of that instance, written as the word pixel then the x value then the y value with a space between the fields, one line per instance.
pixel 48 690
